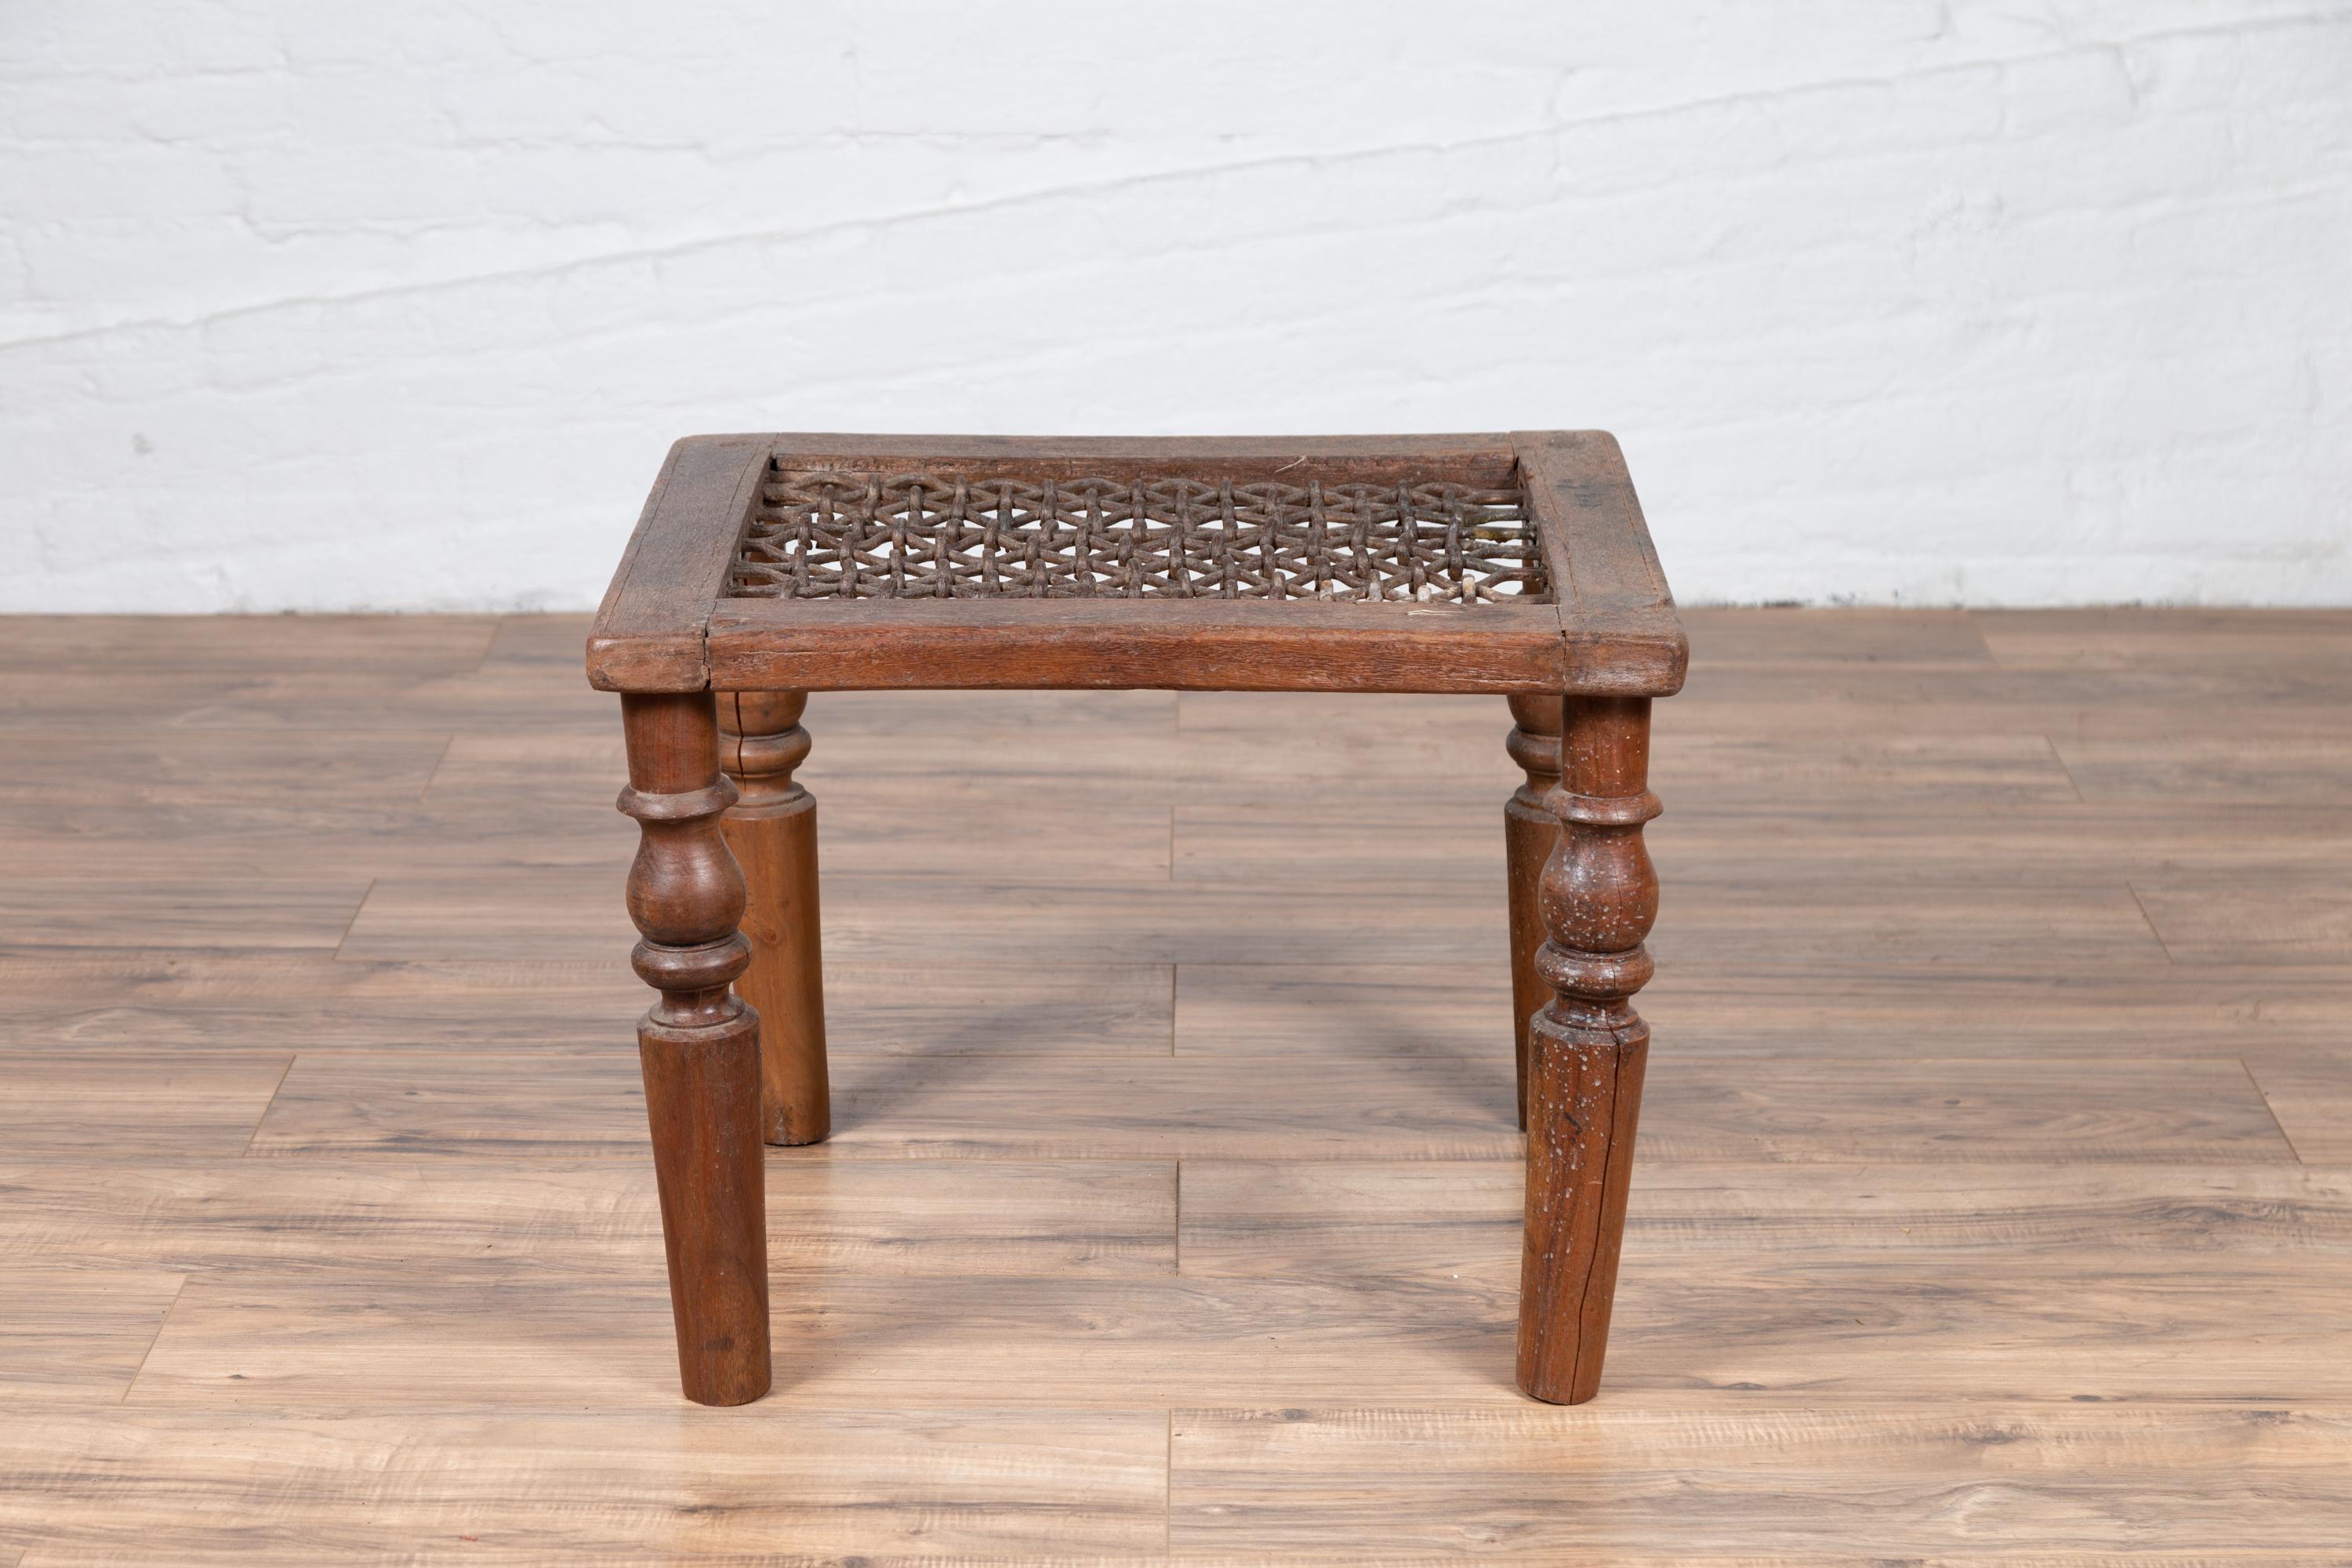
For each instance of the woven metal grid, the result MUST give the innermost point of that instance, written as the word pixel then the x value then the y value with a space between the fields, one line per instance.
pixel 826 534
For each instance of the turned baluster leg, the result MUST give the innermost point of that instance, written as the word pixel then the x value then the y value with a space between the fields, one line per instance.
pixel 1586 1048
pixel 773 830
pixel 1530 830
pixel 700 1046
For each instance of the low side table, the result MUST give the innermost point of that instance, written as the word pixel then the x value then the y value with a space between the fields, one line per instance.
pixel 766 567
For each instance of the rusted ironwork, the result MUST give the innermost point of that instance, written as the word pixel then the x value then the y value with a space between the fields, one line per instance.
pixel 821 534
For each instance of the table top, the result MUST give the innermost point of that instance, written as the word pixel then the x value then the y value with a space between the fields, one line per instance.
pixel 1487 563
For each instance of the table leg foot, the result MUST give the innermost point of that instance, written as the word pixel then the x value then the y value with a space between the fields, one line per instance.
pixel 699 1048
pixel 1587 1049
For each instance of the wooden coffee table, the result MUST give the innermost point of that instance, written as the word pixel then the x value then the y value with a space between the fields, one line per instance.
pixel 766 567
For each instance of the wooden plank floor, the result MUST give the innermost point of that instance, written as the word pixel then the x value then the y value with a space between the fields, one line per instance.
pixel 1994 1202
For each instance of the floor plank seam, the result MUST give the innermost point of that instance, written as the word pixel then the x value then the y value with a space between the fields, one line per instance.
pixel 2264 1095
pixel 361 907
pixel 491 643
pixel 430 773
pixel 2072 782
pixel 2141 904
pixel 153 1340
pixel 255 1136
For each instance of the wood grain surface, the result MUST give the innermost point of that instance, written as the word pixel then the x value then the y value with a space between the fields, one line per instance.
pixel 1994 1202
pixel 1608 627
pixel 648 634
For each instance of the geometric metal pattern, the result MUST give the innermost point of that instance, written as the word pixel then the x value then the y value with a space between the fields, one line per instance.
pixel 823 533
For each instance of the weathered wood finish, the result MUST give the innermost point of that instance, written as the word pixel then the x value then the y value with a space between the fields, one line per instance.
pixel 1530 830
pixel 1596 624
pixel 699 1046
pixel 648 634
pixel 1616 611
pixel 1182 645
pixel 1481 457
pixel 772 828
pixel 1610 629
pixel 1587 1049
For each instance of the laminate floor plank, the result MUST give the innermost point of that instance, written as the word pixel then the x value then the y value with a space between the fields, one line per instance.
pixel 1747 1328
pixel 1366 1221
pixel 325 1214
pixel 2116 640
pixel 77 1333
pixel 1824 709
pixel 2120 1012
pixel 135 1105
pixel 1601 1487
pixel 1964 1109
pixel 2150 713
pixel 984 917
pixel 1786 1109
pixel 154 645
pixel 2310 1092
pixel 1877 639
pixel 1977 927
pixel 482 1485
pixel 243 1003
pixel 188 914
pixel 2053 700
pixel 553 641
pixel 949 823
pixel 2311 769
pixel 1703 849
pixel 963 825
pixel 255 842
pixel 861 736
pixel 295 695
pixel 947 1107
pixel 325 1006
pixel 2304 917
pixel 1753 771
pixel 136 771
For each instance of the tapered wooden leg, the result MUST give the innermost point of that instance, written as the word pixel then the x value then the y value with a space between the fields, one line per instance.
pixel 700 1046
pixel 1587 1048
pixel 773 830
pixel 1530 830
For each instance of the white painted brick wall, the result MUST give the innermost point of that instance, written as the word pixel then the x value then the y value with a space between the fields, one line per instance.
pixel 329 305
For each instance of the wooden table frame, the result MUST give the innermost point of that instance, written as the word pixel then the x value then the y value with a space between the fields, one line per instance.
pixel 724 886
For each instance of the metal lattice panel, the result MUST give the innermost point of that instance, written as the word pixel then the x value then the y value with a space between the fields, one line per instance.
pixel 826 534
